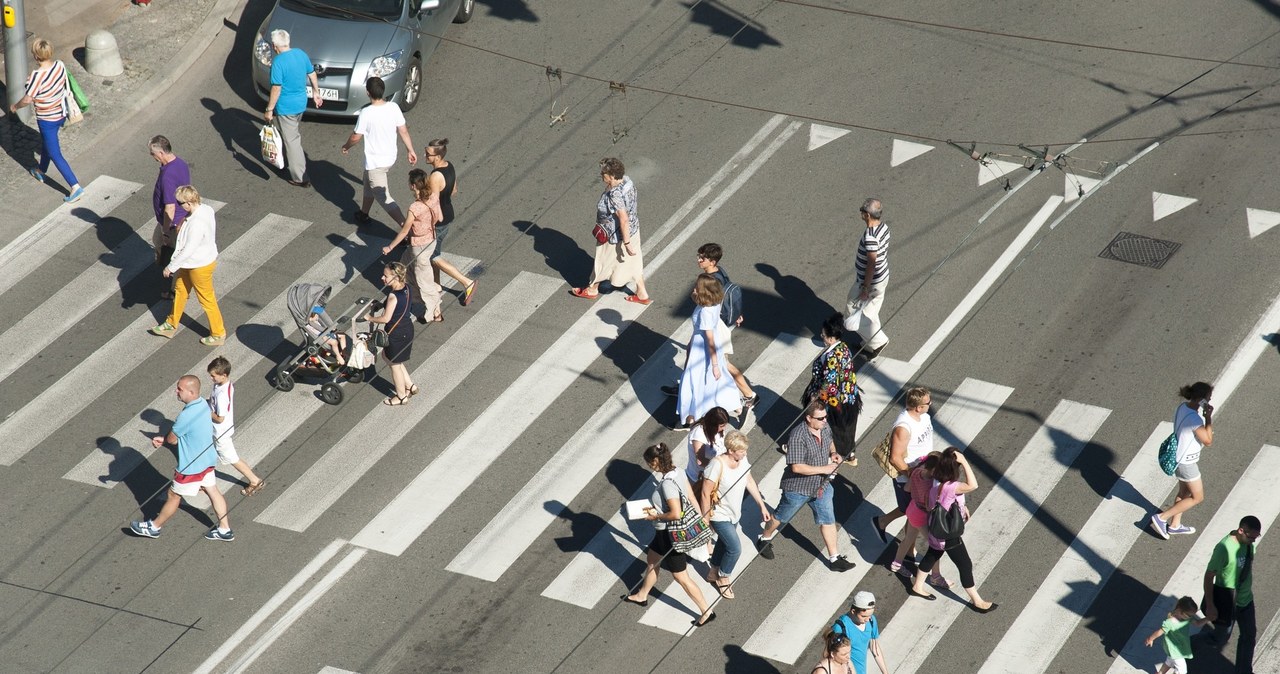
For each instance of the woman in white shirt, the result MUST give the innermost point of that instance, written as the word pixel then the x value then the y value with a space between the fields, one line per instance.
pixel 195 256
pixel 727 479
pixel 1193 426
pixel 706 442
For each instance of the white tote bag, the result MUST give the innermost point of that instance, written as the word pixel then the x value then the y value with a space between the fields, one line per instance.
pixel 272 146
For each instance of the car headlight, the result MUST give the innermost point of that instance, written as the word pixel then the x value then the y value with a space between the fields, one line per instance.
pixel 263 52
pixel 385 65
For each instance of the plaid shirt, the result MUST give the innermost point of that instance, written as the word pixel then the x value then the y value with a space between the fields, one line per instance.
pixel 803 448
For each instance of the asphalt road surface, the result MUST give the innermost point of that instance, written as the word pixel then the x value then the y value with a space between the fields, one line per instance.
pixel 477 528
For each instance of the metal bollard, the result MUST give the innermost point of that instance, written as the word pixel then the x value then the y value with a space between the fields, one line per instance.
pixel 102 54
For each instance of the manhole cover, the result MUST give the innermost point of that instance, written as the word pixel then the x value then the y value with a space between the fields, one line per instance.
pixel 1140 250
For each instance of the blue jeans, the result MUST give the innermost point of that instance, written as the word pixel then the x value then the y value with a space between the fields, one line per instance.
pixel 823 512
pixel 50 150
pixel 728 547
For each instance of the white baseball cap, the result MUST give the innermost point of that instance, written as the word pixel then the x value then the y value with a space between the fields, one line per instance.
pixel 864 599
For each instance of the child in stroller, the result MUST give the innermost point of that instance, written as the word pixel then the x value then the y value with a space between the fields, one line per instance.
pixel 325 355
pixel 332 340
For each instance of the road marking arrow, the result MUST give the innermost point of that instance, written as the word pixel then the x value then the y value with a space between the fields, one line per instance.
pixel 1077 186
pixel 1260 220
pixel 995 169
pixel 820 135
pixel 1167 204
pixel 905 151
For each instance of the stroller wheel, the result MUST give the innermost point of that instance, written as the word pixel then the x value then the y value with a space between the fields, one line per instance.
pixel 284 380
pixel 331 393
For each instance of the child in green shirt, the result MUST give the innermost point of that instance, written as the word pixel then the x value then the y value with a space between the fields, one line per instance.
pixel 1176 630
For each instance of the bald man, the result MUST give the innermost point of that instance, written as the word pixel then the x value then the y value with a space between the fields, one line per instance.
pixel 193 433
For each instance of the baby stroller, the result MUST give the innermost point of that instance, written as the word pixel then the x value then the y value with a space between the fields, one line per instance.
pixel 329 357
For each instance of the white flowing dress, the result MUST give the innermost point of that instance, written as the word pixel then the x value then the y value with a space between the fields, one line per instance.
pixel 699 389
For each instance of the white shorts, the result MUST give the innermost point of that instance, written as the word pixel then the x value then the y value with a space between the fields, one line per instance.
pixel 210 480
pixel 226 449
pixel 1177 665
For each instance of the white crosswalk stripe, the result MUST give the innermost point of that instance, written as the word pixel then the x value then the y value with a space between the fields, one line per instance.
pixel 57 230
pixel 1253 494
pixel 918 626
pixel 820 593
pixel 72 302
pixel 343 465
pixel 131 347
pixel 1051 616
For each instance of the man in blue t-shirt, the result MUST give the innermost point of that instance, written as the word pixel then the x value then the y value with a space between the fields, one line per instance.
pixel 193 433
pixel 291 72
pixel 860 627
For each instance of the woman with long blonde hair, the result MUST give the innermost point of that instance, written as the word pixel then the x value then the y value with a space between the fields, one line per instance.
pixel 420 228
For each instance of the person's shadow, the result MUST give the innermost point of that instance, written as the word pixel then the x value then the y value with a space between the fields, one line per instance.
pixel 239 131
pixel 560 253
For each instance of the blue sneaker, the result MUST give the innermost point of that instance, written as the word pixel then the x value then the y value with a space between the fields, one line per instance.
pixel 74 196
pixel 36 173
pixel 215 535
pixel 1161 527
pixel 145 529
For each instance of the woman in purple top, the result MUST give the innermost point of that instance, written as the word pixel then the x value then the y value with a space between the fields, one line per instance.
pixel 947 489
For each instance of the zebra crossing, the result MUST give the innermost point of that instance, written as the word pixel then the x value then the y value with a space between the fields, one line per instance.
pixel 785 629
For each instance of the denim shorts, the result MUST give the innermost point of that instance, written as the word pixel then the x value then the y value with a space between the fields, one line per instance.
pixel 823 512
pixel 1187 472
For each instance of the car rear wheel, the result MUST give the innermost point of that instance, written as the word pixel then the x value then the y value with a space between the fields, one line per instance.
pixel 464 11
pixel 412 84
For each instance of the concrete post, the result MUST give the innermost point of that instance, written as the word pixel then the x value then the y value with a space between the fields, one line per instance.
pixel 102 54
pixel 15 56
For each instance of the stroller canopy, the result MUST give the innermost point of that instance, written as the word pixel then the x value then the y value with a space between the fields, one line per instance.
pixel 302 297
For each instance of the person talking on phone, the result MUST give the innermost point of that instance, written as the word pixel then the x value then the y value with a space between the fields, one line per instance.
pixel 1193 426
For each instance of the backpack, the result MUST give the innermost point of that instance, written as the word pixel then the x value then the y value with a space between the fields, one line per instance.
pixel 946 524
pixel 731 305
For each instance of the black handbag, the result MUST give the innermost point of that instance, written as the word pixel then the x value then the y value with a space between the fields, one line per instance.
pixel 946 524
pixel 378 339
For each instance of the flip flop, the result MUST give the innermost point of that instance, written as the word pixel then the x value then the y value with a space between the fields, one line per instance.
pixel 636 300
pixel 725 589
pixel 921 595
pixel 582 292
pixel 466 293
pixel 254 488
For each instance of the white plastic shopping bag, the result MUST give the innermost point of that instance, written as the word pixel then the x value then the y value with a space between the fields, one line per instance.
pixel 272 146
pixel 361 357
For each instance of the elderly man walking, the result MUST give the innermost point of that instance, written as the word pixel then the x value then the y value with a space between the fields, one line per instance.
pixel 193 433
pixel 170 214
pixel 378 125
pixel 291 73
pixel 862 312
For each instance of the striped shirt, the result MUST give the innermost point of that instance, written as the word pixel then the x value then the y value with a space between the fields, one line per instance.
pixel 47 88
pixel 874 240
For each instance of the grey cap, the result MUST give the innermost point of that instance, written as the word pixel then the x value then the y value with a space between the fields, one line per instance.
pixel 864 599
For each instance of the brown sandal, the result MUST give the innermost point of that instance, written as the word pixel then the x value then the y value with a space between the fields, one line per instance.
pixel 254 488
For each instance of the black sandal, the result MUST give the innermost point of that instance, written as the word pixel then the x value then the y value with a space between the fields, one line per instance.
pixel 398 401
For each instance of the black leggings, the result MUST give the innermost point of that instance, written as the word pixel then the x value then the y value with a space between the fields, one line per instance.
pixel 959 555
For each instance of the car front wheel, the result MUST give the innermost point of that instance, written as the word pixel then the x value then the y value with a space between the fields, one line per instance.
pixel 464 11
pixel 412 84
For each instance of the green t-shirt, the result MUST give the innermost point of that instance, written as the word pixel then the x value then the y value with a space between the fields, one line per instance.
pixel 1177 637
pixel 1228 564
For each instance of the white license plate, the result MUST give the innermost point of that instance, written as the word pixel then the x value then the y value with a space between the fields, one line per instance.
pixel 325 94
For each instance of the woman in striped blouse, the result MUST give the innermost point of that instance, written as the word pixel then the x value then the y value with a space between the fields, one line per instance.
pixel 48 92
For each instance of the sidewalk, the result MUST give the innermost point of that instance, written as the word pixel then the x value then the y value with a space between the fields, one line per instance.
pixel 157 43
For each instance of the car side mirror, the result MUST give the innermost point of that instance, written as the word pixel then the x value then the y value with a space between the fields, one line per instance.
pixel 428 5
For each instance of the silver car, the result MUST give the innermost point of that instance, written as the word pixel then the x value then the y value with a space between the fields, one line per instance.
pixel 350 41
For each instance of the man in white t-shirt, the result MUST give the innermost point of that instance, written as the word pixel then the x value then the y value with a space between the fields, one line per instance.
pixel 379 124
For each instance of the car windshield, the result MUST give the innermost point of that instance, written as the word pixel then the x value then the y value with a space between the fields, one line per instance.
pixel 356 9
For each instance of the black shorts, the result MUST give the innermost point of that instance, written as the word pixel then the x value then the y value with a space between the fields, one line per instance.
pixel 901 495
pixel 675 562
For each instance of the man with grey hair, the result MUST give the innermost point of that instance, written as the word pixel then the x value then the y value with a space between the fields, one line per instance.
pixel 291 75
pixel 862 313
pixel 170 214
